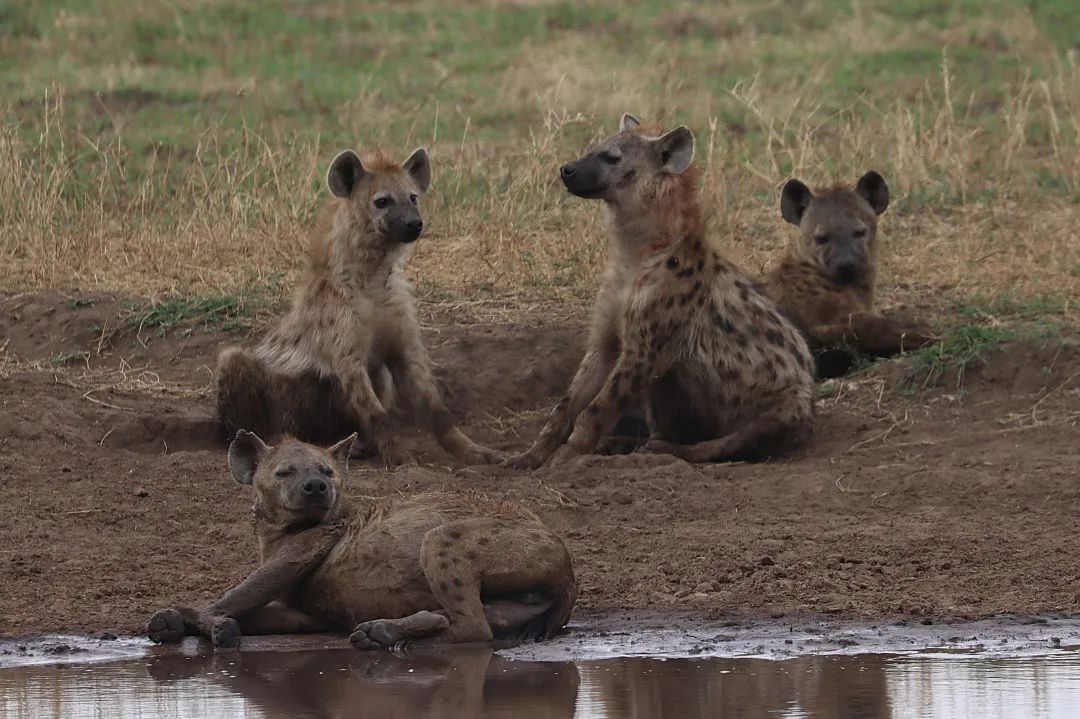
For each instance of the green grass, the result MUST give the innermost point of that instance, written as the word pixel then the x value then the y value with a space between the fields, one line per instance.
pixel 966 346
pixel 232 312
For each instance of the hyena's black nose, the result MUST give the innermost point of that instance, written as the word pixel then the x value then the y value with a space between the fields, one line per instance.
pixel 312 488
pixel 566 170
pixel 414 225
pixel 845 271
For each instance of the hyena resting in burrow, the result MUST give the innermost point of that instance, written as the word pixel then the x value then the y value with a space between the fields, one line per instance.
pixel 722 373
pixel 826 280
pixel 349 350
pixel 437 568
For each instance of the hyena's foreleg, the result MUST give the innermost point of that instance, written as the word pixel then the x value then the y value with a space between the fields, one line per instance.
pixel 416 384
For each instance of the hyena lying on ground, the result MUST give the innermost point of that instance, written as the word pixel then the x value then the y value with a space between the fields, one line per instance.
pixel 349 350
pixel 722 373
pixel 436 568
pixel 826 280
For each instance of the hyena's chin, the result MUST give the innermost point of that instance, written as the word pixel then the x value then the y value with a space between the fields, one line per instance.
pixel 587 192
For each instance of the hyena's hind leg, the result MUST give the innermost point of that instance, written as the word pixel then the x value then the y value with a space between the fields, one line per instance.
pixel 763 437
pixel 526 568
pixel 246 395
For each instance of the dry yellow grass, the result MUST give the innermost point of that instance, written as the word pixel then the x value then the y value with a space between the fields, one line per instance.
pixel 986 184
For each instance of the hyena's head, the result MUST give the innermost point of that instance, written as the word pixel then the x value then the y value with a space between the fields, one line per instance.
pixel 382 195
pixel 295 483
pixel 837 227
pixel 625 163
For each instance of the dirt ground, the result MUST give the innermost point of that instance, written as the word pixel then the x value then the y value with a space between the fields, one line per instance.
pixel 117 500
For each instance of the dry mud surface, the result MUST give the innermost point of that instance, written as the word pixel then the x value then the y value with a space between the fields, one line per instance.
pixel 117 501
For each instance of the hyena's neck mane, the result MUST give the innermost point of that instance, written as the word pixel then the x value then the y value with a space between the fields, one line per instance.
pixel 666 212
pixel 271 529
pixel 351 257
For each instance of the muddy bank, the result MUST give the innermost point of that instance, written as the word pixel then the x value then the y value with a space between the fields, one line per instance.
pixel 960 503
pixel 652 634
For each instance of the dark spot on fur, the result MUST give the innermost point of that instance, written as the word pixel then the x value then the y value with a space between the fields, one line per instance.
pixel 457 597
pixel 457 582
pixel 471 556
pixel 483 541
pixel 593 410
pixel 775 337
pixel 671 263
pixel 700 265
pixel 454 534
pixel 669 301
pixel 443 586
pixel 442 553
pixel 447 543
pixel 724 323
pixel 444 564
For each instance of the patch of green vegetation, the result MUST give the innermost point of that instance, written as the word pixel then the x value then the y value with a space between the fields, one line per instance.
pixel 230 312
pixel 76 302
pixel 965 346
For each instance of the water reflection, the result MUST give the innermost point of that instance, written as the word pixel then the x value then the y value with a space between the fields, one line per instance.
pixel 840 688
pixel 476 683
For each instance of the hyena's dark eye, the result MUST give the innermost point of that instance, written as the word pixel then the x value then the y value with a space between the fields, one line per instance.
pixel 326 471
pixel 283 471
pixel 383 202
pixel 821 239
pixel 412 199
pixel 609 158
pixel 859 233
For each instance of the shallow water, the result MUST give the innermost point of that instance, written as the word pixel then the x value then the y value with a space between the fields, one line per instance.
pixel 478 683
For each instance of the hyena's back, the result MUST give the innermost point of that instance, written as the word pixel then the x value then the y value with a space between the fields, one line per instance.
pixel 253 397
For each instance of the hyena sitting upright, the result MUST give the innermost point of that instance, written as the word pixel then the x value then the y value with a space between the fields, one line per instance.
pixel 722 374
pixel 349 349
pixel 826 280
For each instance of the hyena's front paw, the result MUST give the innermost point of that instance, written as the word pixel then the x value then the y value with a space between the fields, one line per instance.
pixel 225 633
pixel 530 459
pixel 478 454
pixel 165 627
pixel 660 446
pixel 563 455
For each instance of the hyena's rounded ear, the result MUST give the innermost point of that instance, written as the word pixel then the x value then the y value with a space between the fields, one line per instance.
pixel 343 450
pixel 628 122
pixel 344 173
pixel 872 188
pixel 676 150
pixel 419 168
pixel 246 453
pixel 794 199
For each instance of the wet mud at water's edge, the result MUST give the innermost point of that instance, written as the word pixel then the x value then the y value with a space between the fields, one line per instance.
pixel 479 683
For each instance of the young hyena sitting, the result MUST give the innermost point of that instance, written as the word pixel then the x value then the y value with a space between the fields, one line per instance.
pixel 349 349
pixel 437 568
pixel 722 373
pixel 826 280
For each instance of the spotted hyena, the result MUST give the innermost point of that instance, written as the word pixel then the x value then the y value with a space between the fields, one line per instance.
pixel 825 282
pixel 721 373
pixel 349 350
pixel 437 568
